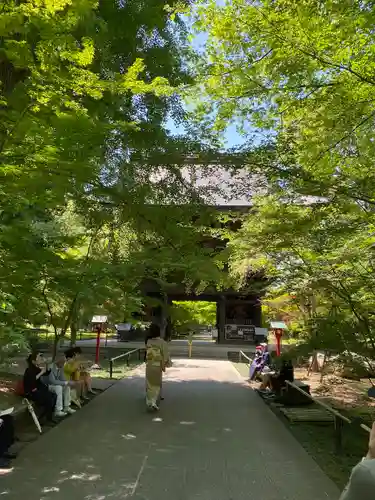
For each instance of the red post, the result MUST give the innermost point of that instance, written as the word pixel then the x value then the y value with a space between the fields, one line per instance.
pixel 278 335
pixel 99 329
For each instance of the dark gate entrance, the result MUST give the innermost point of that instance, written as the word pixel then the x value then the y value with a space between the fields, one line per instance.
pixel 238 317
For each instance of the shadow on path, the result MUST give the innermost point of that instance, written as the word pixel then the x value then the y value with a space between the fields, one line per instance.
pixel 213 439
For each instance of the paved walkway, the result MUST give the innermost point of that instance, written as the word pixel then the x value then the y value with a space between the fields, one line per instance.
pixel 214 439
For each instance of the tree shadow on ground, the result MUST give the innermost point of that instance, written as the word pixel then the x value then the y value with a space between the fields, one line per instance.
pixel 114 446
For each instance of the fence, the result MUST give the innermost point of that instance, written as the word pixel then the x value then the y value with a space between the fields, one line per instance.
pixel 241 355
pixel 127 356
pixel 339 419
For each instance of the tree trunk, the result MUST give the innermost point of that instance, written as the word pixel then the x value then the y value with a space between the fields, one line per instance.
pixel 323 366
pixel 55 345
pixel 314 366
pixel 73 333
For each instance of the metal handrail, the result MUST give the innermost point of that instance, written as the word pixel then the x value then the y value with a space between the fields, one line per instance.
pixel 240 354
pixel 125 354
pixel 338 417
pixel 328 408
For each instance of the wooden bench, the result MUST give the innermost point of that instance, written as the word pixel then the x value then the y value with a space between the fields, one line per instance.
pixel 13 399
pixel 296 394
pixel 339 419
pixel 22 405
pixel 313 414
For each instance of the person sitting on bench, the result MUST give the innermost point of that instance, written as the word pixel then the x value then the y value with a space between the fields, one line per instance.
pixel 276 381
pixel 74 371
pixel 58 384
pixel 34 388
pixel 7 438
pixel 84 370
pixel 255 366
pixel 266 355
pixel 260 362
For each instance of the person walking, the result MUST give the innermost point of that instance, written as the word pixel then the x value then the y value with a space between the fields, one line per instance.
pixel 361 484
pixel 156 359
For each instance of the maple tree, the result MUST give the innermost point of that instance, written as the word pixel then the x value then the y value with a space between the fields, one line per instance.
pixel 299 75
pixel 84 106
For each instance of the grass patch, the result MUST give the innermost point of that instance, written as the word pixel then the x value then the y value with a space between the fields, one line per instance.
pixel 319 442
pixel 242 369
pixel 50 336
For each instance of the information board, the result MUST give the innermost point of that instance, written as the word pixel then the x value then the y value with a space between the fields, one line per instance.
pixel 240 332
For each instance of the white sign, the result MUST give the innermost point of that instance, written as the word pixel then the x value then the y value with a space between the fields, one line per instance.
pixel 261 332
pixel 99 319
pixel 123 327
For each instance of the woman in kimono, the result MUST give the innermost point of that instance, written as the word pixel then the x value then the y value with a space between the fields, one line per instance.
pixel 156 361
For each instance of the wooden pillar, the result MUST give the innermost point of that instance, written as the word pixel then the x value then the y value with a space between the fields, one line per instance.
pixel 168 325
pixel 257 308
pixel 220 319
pixel 164 316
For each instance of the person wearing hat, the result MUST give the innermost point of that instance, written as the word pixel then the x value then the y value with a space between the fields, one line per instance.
pixel 262 359
pixel 362 480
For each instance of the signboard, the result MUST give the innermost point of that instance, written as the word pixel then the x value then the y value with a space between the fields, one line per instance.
pixel 99 319
pixel 245 333
pixel 123 327
pixel 280 325
pixel 261 332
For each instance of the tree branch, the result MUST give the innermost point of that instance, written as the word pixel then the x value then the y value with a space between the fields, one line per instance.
pixel 49 308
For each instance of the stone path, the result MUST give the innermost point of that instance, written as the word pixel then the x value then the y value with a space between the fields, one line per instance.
pixel 214 439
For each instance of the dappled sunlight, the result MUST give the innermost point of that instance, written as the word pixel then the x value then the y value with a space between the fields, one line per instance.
pixel 340 392
pixel 52 489
pixel 133 446
pixel 6 472
pixel 128 436
pixel 177 365
pixel 83 476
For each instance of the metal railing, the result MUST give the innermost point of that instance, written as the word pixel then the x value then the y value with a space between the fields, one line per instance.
pixel 241 355
pixel 127 355
pixel 338 418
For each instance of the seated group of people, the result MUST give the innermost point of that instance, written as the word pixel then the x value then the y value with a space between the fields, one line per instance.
pixel 272 379
pixel 54 388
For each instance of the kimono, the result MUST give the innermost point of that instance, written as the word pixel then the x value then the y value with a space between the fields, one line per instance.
pixel 260 361
pixel 156 359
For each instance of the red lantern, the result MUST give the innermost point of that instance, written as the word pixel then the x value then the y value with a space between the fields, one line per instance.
pixel 278 334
